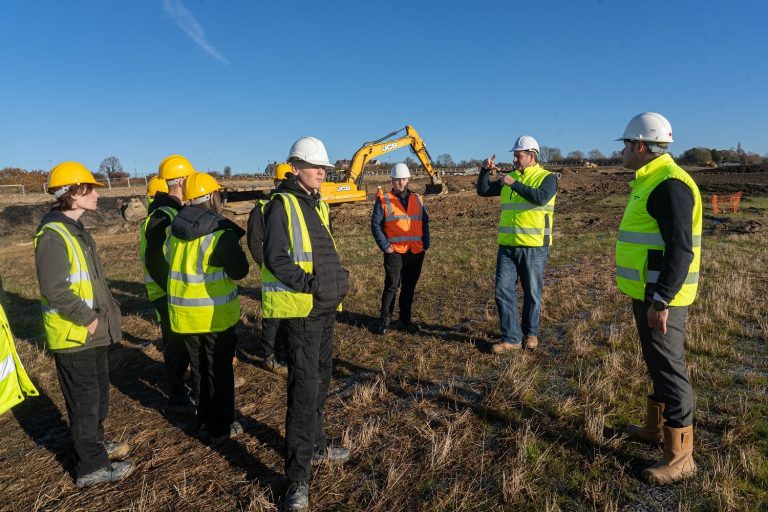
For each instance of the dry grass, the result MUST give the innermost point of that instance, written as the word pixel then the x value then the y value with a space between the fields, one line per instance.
pixel 435 422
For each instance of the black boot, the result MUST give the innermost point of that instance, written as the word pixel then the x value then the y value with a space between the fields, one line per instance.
pixel 383 327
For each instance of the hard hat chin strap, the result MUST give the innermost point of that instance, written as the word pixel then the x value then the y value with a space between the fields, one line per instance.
pixel 201 199
pixel 60 191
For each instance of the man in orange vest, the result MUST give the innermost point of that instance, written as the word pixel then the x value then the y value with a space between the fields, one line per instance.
pixel 400 226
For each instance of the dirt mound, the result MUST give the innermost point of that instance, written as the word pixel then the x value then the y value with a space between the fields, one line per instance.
pixel 22 220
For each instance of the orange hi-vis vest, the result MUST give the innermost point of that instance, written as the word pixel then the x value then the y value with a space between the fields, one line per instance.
pixel 403 228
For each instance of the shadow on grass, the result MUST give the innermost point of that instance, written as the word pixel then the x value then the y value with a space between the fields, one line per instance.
pixel 133 299
pixel 238 456
pixel 548 426
pixel 137 375
pixel 25 318
pixel 427 330
pixel 141 378
pixel 42 421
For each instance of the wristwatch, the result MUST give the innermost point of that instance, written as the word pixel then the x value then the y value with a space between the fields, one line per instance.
pixel 660 305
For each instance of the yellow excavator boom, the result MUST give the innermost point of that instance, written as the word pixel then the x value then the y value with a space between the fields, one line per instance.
pixel 349 188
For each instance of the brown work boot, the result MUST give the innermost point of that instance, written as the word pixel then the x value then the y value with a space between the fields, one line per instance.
pixel 654 420
pixel 677 460
pixel 531 342
pixel 504 346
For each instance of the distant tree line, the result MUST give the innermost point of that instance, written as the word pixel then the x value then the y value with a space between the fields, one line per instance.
pixel 713 157
pixel 692 156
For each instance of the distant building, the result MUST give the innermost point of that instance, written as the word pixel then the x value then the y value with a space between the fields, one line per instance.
pixel 343 164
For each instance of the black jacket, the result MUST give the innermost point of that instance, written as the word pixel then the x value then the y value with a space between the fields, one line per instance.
pixel 255 235
pixel 52 262
pixel 671 205
pixel 154 258
pixel 193 222
pixel 329 281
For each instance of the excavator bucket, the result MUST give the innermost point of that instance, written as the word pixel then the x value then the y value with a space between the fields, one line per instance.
pixel 134 210
pixel 436 188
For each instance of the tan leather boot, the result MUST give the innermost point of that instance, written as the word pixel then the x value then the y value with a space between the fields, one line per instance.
pixel 677 460
pixel 654 420
pixel 503 346
pixel 531 342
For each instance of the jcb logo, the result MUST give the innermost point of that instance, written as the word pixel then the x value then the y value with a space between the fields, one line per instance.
pixel 390 147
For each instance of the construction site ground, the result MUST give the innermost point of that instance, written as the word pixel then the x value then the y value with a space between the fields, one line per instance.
pixel 434 420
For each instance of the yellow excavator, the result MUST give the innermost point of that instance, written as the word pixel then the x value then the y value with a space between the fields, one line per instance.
pixel 348 188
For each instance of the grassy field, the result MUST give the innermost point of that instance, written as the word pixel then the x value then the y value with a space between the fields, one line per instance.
pixel 435 421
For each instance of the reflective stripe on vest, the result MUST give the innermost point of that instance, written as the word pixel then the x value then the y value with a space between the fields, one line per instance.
pixel 154 290
pixel 60 332
pixel 403 227
pixel 639 235
pixel 201 298
pixel 14 381
pixel 522 223
pixel 277 299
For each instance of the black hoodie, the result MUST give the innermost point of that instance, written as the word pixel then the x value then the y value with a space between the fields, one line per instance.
pixel 329 281
pixel 155 234
pixel 194 222
pixel 52 262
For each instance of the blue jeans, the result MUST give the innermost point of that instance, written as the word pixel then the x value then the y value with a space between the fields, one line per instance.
pixel 527 265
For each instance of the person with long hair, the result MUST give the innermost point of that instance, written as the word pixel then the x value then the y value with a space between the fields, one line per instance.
pixel 81 320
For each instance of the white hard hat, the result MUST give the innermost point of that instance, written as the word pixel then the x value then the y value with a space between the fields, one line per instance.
pixel 648 127
pixel 399 171
pixel 525 143
pixel 310 150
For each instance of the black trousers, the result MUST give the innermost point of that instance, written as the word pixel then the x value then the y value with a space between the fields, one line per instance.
pixel 400 271
pixel 84 380
pixel 664 356
pixel 273 334
pixel 210 355
pixel 310 348
pixel 175 356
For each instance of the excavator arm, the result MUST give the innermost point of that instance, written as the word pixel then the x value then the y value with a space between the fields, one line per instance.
pixel 349 187
pixel 371 150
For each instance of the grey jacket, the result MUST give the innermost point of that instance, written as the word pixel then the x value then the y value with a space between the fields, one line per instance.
pixel 52 265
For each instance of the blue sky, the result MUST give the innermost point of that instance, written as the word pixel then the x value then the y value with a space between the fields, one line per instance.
pixel 236 82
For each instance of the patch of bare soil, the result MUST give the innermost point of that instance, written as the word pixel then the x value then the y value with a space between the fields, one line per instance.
pixel 719 181
pixel 720 225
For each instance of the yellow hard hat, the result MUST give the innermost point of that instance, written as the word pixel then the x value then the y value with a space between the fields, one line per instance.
pixel 175 166
pixel 70 173
pixel 199 185
pixel 282 170
pixel 155 185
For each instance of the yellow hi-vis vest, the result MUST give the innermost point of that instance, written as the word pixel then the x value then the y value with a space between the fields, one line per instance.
pixel 201 298
pixel 639 233
pixel 14 381
pixel 277 299
pixel 522 223
pixel 154 290
pixel 60 332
